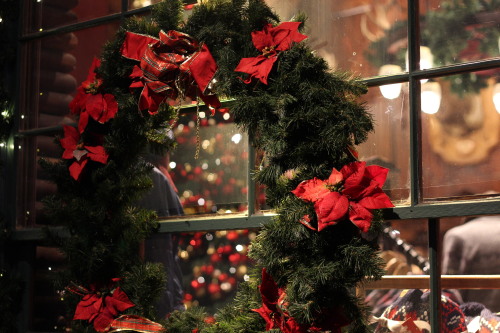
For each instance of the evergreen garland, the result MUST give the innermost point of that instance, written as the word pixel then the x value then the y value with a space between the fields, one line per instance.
pixel 306 120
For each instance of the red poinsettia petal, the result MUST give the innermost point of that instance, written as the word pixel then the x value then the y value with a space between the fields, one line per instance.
pixel 95 64
pixel 353 173
pixel 269 290
pixel 95 106
pixel 332 208
pixel 102 107
pixel 75 169
pixel 83 121
pixel 267 315
pixel 258 67
pixel 377 200
pixel 360 216
pixel 102 321
pixel 262 38
pixel 335 177
pixel 118 302
pixel 69 142
pixel 88 307
pixel 285 34
pixel 111 108
pixel 377 174
pixel 306 220
pixel 311 190
pixel 97 154
pixel 290 325
pixel 77 104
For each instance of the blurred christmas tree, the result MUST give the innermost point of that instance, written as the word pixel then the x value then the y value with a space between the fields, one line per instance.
pixel 213 264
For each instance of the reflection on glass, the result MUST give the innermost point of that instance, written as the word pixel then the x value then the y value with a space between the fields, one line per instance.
pixel 216 181
pixel 346 33
pixel 48 14
pixel 33 184
pixel 404 250
pixel 390 91
pixel 458 32
pixel 56 65
pixel 430 97
pixel 388 144
pixel 460 141
pixel 49 313
pixel 470 248
pixel 212 264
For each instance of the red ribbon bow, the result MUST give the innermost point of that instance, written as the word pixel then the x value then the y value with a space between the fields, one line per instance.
pixel 270 41
pixel 100 308
pixel 175 65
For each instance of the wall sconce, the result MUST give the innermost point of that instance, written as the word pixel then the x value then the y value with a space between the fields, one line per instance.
pixel 431 97
pixel 496 96
pixel 390 91
pixel 426 60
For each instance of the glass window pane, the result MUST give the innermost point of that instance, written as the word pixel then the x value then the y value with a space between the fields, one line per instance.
pixel 212 265
pixel 388 145
pixel 33 184
pixel 404 249
pixel 458 31
pixel 49 312
pixel 55 66
pixel 470 247
pixel 359 36
pixel 216 181
pixel 460 136
pixel 47 14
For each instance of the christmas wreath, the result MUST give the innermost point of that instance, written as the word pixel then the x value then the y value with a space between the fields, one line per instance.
pixel 304 117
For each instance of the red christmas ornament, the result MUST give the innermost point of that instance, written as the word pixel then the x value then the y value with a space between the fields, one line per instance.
pixel 213 288
pixel 232 236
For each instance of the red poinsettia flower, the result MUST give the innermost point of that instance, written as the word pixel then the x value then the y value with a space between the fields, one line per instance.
pixel 81 153
pixel 273 309
pixel 270 41
pixel 90 101
pixel 100 309
pixel 352 192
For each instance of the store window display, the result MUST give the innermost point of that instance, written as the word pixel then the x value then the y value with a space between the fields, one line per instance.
pixel 472 248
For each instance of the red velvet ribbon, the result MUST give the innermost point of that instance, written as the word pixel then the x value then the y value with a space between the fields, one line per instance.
pixel 175 65
pixel 136 324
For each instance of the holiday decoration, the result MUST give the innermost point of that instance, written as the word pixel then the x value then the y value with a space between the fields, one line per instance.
pixel 354 191
pixel 269 41
pixel 304 121
pixel 168 66
pixel 100 308
pixel 81 153
pixel 90 101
